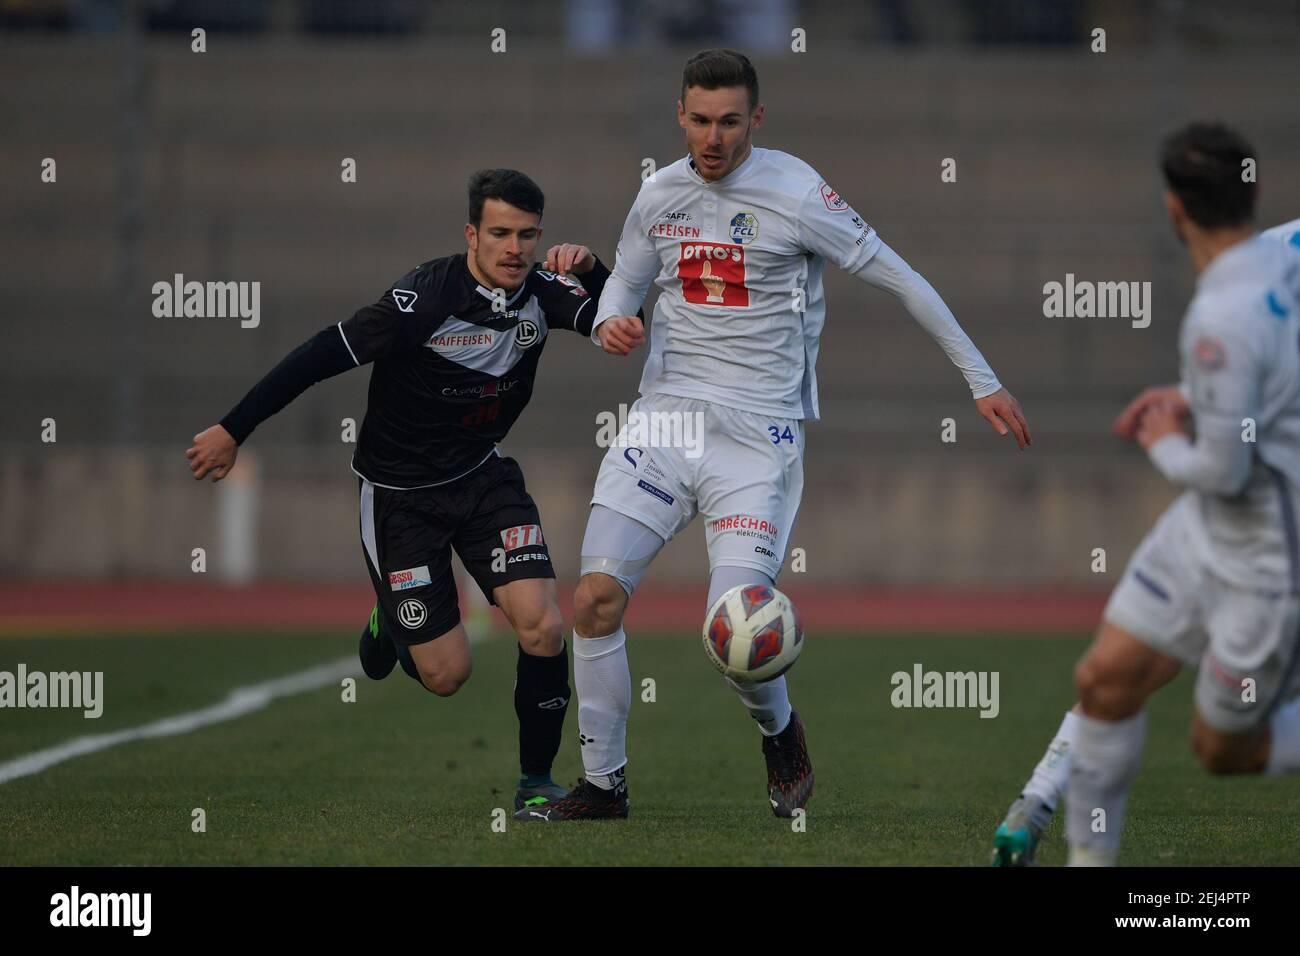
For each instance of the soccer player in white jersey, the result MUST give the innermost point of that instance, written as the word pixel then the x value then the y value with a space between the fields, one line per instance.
pixel 1214 584
pixel 736 237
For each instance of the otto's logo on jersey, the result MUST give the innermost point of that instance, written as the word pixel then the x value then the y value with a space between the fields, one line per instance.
pixel 526 333
pixel 405 299
pixel 713 273
pixel 523 536
pixel 832 199
pixel 744 228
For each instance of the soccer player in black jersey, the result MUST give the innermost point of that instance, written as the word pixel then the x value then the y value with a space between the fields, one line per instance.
pixel 455 345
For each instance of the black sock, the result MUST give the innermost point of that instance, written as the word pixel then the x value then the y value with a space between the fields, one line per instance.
pixel 541 701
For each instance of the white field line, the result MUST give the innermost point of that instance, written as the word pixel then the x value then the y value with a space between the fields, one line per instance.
pixel 238 703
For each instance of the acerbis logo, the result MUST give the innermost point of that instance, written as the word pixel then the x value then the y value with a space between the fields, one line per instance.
pixel 405 299
pixel 412 614
pixel 526 333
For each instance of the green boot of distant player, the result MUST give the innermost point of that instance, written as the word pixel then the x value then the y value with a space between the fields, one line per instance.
pixel 1016 841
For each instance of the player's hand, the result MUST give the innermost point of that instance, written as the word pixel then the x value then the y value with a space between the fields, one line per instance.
pixel 1160 419
pixel 621 334
pixel 213 453
pixel 569 258
pixel 1003 412
pixel 1171 396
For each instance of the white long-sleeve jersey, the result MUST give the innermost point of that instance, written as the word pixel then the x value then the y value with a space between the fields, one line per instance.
pixel 739 263
pixel 1240 354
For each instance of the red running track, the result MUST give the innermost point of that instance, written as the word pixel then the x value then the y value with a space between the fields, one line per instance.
pixel 36 607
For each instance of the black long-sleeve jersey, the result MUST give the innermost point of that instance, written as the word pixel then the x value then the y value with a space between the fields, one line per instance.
pixel 450 376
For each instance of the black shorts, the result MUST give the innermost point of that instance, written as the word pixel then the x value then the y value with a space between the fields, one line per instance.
pixel 487 516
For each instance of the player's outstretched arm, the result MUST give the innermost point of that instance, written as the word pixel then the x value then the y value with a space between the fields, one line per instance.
pixel 887 270
pixel 829 227
pixel 214 449
pixel 397 321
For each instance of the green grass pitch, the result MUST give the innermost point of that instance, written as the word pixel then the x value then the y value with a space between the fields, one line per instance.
pixel 403 777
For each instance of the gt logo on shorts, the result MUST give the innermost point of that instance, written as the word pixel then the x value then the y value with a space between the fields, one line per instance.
pixel 412 614
pixel 713 273
pixel 523 536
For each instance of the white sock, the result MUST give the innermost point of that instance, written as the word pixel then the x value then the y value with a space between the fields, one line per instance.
pixel 1284 748
pixel 767 703
pixel 1053 771
pixel 1107 755
pixel 604 685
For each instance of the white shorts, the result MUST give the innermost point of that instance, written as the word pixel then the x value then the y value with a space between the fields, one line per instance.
pixel 742 471
pixel 1245 641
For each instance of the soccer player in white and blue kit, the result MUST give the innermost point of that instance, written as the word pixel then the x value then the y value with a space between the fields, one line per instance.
pixel 737 238
pixel 1216 583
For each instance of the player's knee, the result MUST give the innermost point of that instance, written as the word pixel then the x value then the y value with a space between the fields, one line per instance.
pixel 1103 692
pixel 1088 682
pixel 542 635
pixel 598 605
pixel 444 683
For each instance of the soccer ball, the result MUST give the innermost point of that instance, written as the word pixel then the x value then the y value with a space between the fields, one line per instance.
pixel 753 634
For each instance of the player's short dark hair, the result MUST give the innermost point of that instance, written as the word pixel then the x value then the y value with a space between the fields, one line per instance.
pixel 714 69
pixel 1202 165
pixel 508 185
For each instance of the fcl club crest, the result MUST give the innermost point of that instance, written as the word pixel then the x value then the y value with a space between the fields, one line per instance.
pixel 744 228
